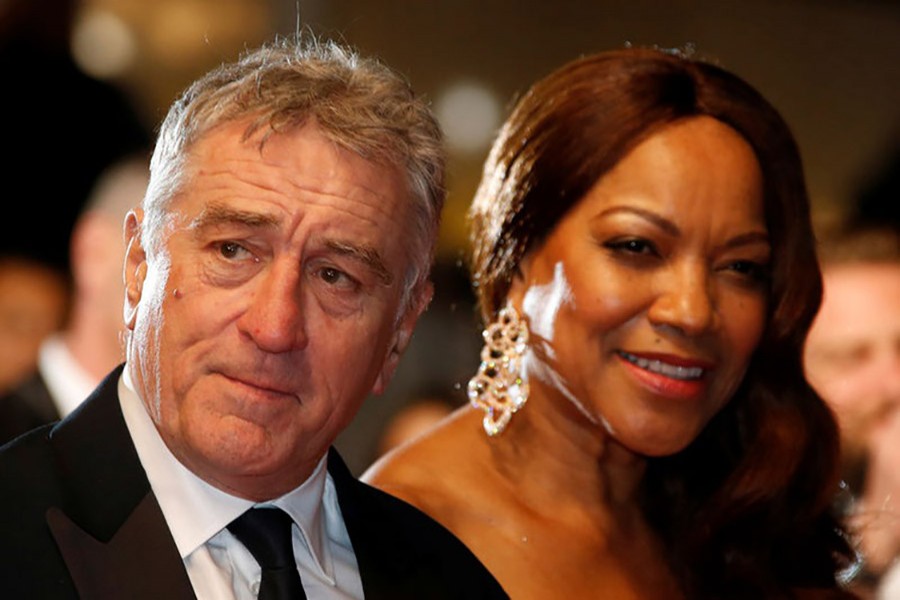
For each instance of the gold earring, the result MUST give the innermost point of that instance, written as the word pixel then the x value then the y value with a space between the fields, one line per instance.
pixel 498 388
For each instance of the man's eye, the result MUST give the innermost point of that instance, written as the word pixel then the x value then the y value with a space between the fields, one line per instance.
pixel 330 275
pixel 337 279
pixel 232 250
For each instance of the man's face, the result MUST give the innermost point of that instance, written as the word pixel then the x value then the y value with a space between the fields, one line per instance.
pixel 852 354
pixel 273 307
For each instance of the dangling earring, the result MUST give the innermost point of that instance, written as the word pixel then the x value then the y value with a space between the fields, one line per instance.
pixel 498 388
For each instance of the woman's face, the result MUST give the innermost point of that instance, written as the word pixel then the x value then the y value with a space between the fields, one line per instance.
pixel 647 300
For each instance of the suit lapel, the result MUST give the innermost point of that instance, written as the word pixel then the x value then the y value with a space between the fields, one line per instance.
pixel 110 529
pixel 136 563
pixel 383 560
pixel 402 553
pixel 35 393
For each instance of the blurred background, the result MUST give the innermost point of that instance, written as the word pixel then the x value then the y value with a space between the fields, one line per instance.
pixel 832 67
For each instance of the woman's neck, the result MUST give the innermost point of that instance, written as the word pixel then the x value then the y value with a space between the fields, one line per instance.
pixel 551 451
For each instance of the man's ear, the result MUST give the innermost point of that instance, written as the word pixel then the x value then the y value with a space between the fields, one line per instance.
pixel 421 298
pixel 135 268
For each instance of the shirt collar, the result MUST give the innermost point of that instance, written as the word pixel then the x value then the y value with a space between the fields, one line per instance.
pixel 196 511
pixel 68 382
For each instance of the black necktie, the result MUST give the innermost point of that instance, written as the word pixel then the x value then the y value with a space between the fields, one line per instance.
pixel 266 532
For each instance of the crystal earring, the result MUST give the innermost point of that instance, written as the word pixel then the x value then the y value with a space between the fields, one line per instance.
pixel 498 388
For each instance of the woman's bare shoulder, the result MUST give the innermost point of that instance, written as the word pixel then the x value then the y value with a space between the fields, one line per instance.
pixel 430 471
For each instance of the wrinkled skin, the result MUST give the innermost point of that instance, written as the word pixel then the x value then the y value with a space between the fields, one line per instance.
pixel 273 307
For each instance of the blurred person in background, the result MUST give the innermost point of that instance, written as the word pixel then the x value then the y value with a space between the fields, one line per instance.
pixel 34 302
pixel 64 128
pixel 852 358
pixel 72 361
pixel 415 417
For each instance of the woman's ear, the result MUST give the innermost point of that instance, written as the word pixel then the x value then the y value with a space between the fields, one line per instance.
pixel 135 267
pixel 519 283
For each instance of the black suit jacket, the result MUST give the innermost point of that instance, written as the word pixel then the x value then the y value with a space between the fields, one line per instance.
pixel 28 406
pixel 78 519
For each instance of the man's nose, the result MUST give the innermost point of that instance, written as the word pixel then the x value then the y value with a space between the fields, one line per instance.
pixel 274 319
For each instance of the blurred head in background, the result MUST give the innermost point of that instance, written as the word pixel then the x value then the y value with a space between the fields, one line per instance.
pixel 34 300
pixel 852 358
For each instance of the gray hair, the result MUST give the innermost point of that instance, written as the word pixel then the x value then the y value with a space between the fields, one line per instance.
pixel 358 103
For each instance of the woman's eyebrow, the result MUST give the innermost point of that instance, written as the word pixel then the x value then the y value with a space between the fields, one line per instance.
pixel 743 239
pixel 661 222
pixel 748 239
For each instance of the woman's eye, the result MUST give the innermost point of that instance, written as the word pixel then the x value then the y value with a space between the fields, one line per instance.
pixel 632 246
pixel 750 269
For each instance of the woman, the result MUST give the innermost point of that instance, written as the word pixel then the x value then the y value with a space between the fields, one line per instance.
pixel 643 255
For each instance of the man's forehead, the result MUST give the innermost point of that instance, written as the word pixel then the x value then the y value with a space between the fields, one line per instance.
pixel 306 157
pixel 861 282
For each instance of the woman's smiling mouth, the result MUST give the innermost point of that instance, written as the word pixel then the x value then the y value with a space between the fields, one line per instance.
pixel 655 365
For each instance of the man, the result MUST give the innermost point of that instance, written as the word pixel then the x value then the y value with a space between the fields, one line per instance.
pixel 74 359
pixel 852 359
pixel 273 276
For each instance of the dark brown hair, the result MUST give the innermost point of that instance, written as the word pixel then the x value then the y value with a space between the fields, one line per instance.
pixel 746 509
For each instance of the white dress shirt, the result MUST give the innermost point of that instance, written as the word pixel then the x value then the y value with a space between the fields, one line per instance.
pixel 218 565
pixel 67 381
pixel 889 585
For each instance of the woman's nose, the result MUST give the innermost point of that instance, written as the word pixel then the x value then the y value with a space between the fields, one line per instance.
pixel 684 301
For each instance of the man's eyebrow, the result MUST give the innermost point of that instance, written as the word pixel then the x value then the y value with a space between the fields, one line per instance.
pixel 221 214
pixel 365 254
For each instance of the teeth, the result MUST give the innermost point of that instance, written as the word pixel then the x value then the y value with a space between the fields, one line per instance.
pixel 657 366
